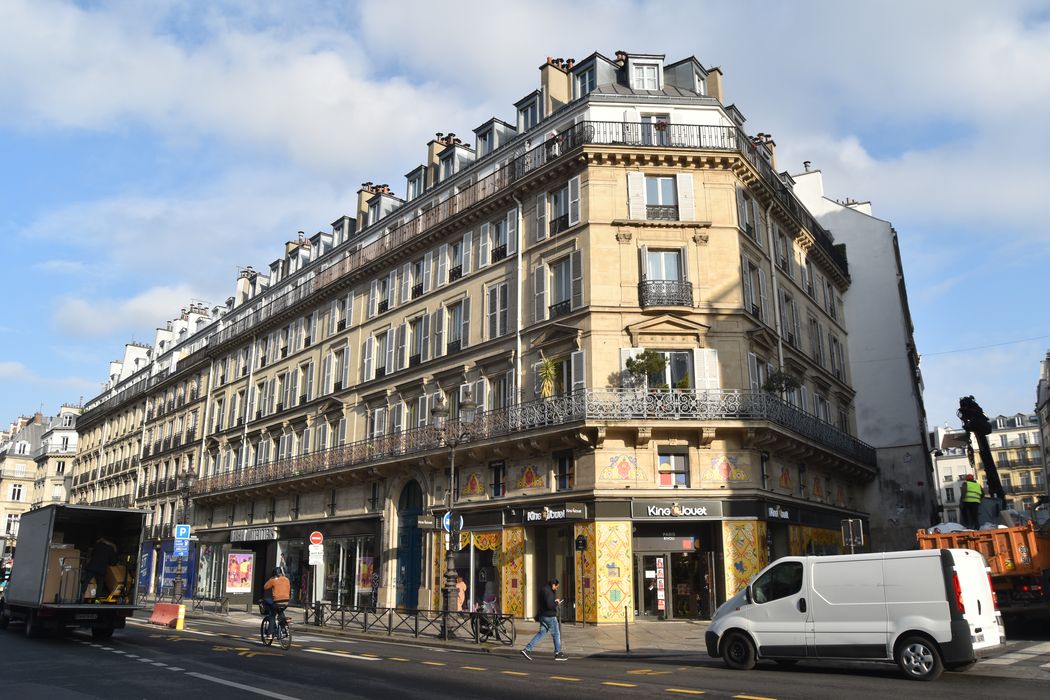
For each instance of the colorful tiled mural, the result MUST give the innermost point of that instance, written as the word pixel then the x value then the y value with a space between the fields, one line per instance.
pixel 473 486
pixel 586 583
pixel 531 477
pixel 725 468
pixel 512 571
pixel 745 552
pixel 813 540
pixel 613 569
pixel 624 467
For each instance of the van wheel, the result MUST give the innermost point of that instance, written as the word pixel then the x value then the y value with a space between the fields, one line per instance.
pixel 738 652
pixel 919 659
pixel 960 667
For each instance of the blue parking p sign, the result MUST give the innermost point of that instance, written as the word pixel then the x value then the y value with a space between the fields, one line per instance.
pixel 182 532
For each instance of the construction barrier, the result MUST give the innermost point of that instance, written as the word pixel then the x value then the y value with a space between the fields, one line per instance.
pixel 169 615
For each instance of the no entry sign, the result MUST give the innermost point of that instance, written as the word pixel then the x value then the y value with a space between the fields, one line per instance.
pixel 316 537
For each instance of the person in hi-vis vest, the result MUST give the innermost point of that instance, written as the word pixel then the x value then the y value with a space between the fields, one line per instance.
pixel 972 492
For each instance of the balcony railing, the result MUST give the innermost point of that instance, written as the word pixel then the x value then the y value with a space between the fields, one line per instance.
pixel 116 502
pixel 455 273
pixel 417 290
pixel 661 212
pixel 560 309
pixel 499 252
pixel 665 293
pixel 600 406
pixel 559 224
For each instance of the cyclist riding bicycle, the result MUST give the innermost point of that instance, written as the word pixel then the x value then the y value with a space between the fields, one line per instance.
pixel 276 593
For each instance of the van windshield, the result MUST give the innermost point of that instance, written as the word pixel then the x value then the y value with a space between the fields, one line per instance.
pixel 779 582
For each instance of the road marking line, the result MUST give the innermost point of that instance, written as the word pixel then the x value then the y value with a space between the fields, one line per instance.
pixel 341 654
pixel 753 697
pixel 161 664
pixel 241 686
pixel 132 656
pixel 434 663
pixel 175 668
pixel 396 658
pixel 368 653
pixel 146 661
pixel 564 678
pixel 514 673
pixel 684 691
pixel 1036 648
pixel 620 685
pixel 472 668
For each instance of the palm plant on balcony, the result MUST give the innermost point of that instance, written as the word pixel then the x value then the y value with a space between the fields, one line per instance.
pixel 548 376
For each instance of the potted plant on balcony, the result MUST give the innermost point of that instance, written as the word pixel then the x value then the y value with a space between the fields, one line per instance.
pixel 641 367
pixel 547 371
pixel 780 383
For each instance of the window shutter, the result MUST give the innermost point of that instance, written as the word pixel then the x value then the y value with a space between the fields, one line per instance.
pixel 578 370
pixel 293 391
pixel 391 291
pixel 406 283
pixel 763 299
pixel 468 252
pixel 421 411
pixel 380 422
pixel 367 359
pixel 438 325
pixel 373 291
pixel 536 378
pixel 492 298
pixel 396 417
pixel 424 340
pixel 576 265
pixel 574 200
pixel 391 347
pixel 760 221
pixel 705 364
pixel 741 209
pixel 484 255
pixel 332 314
pixel 310 381
pixel 683 264
pixel 464 389
pixel 541 217
pixel 752 372
pixel 464 336
pixel 686 198
pixel 442 271
pixel 345 378
pixel 745 277
pixel 643 251
pixel 804 397
pixel 402 334
pixel 326 374
pixel 796 322
pixel 539 286
pixel 512 396
pixel 512 231
pixel 635 195
pixel 428 260
pixel 481 395
pixel 271 395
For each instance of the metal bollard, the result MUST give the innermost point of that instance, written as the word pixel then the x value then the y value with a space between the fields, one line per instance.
pixel 626 631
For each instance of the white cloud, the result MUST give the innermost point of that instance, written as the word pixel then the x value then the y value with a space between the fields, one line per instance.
pixel 100 317
pixel 14 370
pixel 60 266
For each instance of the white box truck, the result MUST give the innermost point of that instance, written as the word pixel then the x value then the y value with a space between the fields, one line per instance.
pixel 925 610
pixel 75 566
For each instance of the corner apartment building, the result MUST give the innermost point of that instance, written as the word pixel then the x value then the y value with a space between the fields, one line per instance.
pixel 54 458
pixel 17 474
pixel 884 366
pixel 624 210
pixel 1042 411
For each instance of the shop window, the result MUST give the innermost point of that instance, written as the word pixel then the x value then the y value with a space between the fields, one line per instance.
pixel 498 479
pixel 564 471
pixel 673 470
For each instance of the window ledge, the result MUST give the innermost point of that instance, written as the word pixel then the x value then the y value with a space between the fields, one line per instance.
pixel 658 223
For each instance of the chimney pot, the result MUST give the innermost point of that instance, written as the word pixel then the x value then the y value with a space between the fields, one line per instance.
pixel 806 164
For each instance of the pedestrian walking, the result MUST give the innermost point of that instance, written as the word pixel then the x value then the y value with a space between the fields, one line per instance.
pixel 972 492
pixel 548 619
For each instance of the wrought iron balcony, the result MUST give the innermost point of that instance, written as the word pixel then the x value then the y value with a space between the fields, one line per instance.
pixel 455 273
pixel 661 212
pixel 414 360
pixel 383 306
pixel 597 406
pixel 453 346
pixel 499 252
pixel 559 224
pixel 417 290
pixel 665 293
pixel 560 309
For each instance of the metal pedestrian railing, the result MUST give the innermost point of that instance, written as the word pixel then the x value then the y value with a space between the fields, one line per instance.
pixel 437 624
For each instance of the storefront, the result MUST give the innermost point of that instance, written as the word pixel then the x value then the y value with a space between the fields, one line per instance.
pixel 677 558
pixel 551 530
pixel 349 575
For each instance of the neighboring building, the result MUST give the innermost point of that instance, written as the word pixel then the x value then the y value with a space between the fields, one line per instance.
pixel 951 465
pixel 884 366
pixel 17 473
pixel 1042 410
pixel 623 210
pixel 54 458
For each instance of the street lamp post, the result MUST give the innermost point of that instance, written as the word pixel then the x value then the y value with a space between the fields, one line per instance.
pixel 187 478
pixel 453 434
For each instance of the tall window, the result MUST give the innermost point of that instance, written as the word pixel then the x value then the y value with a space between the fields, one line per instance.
pixel 561 287
pixel 16 492
pixel 673 470
pixel 559 210
pixel 417 340
pixel 529 115
pixel 11 527
pixel 585 82
pixel 645 77
pixel 661 201
pixel 498 310
pixel 663 265
pixel 454 327
pixel 655 129
pixel 498 479
pixel 485 143
pixel 564 471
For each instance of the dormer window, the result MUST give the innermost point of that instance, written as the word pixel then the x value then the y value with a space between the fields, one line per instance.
pixel 373 212
pixel 415 186
pixel 448 166
pixel 585 82
pixel 698 82
pixel 645 76
pixel 485 142
pixel 529 116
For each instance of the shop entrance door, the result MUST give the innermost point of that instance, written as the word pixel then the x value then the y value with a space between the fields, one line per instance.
pixel 409 546
pixel 692 594
pixel 556 556
pixel 651 575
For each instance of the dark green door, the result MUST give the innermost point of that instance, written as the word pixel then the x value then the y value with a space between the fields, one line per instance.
pixel 409 546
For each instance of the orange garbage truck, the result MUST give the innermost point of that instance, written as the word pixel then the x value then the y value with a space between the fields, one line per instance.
pixel 1019 559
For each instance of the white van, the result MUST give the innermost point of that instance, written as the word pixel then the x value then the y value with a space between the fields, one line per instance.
pixel 925 610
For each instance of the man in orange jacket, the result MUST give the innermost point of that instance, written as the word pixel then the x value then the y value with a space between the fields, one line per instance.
pixel 276 594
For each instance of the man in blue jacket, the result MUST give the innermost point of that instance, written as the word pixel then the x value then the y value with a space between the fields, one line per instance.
pixel 548 619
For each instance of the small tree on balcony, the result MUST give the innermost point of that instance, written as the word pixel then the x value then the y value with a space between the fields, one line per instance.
pixel 641 368
pixel 780 382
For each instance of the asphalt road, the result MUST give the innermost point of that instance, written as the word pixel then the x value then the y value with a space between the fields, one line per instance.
pixel 218 659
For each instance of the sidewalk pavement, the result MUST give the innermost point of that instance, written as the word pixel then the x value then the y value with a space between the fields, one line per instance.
pixel 647 638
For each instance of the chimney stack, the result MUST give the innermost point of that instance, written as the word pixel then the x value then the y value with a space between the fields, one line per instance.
pixel 714 84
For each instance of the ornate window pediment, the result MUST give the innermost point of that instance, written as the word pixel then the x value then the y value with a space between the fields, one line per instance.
pixel 668 330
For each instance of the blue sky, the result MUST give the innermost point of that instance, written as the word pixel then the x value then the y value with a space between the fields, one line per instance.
pixel 150 150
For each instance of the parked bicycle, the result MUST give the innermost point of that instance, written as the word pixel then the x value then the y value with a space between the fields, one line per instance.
pixel 282 633
pixel 487 622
